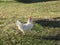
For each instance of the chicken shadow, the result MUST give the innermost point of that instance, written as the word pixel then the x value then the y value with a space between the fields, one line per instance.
pixel 54 22
pixel 32 1
pixel 50 37
pixel 57 37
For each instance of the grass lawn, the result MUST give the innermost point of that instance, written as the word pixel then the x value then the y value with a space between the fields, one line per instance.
pixel 42 35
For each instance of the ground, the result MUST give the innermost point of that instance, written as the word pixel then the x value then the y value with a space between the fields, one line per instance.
pixel 45 30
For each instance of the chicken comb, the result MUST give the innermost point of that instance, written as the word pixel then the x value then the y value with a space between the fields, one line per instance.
pixel 30 16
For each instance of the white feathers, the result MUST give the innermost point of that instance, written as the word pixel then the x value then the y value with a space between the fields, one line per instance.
pixel 19 25
pixel 25 27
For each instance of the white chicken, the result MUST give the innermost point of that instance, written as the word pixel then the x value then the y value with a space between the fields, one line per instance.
pixel 25 27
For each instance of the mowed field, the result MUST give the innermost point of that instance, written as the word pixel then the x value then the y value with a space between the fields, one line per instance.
pixel 46 19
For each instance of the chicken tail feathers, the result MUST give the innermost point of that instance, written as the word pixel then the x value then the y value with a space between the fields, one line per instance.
pixel 18 23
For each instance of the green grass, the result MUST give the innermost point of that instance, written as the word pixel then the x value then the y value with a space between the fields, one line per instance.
pixel 12 11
